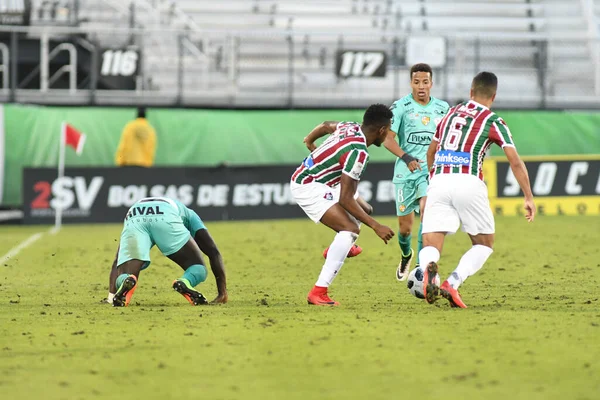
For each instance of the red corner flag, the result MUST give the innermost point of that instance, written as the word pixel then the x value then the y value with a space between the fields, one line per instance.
pixel 72 137
pixel 69 136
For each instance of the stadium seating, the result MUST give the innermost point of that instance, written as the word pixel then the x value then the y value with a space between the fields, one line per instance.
pixel 567 63
pixel 267 37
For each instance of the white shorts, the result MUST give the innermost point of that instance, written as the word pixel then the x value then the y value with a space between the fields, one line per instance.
pixel 455 199
pixel 315 198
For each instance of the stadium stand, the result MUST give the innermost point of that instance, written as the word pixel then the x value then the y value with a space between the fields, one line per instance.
pixel 568 63
pixel 264 61
pixel 241 50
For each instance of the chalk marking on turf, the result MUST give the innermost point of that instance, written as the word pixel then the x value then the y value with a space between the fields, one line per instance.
pixel 15 250
pixel 55 230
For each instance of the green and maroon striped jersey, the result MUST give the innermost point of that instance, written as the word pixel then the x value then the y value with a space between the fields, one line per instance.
pixel 464 136
pixel 344 152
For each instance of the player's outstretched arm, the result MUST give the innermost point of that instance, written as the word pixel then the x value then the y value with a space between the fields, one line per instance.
pixel 325 128
pixel 393 147
pixel 209 247
pixel 520 172
pixel 349 203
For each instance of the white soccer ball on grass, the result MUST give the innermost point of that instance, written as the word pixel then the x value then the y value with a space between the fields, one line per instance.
pixel 415 282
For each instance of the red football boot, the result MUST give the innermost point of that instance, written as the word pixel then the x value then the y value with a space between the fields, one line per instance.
pixel 318 297
pixel 452 295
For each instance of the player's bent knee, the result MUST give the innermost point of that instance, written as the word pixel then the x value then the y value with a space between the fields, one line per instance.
pixel 404 231
pixel 486 240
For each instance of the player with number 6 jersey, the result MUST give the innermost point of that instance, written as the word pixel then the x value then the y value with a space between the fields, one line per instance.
pixel 457 193
pixel 464 136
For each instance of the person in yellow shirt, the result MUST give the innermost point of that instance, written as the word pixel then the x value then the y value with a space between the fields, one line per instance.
pixel 138 143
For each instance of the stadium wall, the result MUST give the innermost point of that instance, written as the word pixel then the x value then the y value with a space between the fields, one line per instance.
pixel 232 137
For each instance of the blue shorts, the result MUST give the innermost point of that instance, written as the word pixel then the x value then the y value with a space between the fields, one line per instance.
pixel 408 193
pixel 153 223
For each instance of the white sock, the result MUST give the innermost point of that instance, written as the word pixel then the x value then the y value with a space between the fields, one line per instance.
pixel 428 254
pixel 469 264
pixel 110 297
pixel 338 251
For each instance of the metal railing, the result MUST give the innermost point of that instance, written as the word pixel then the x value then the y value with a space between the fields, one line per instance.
pixel 287 68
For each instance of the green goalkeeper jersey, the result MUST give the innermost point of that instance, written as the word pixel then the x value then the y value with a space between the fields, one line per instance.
pixel 414 125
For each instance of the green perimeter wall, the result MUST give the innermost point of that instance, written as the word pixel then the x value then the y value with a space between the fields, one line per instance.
pixel 211 137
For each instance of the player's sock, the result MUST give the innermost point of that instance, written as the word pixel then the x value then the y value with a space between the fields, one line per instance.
pixel 404 242
pixel 336 256
pixel 194 275
pixel 420 241
pixel 469 264
pixel 428 254
pixel 120 280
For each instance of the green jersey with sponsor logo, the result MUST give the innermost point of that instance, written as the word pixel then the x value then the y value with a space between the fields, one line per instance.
pixel 152 207
pixel 414 125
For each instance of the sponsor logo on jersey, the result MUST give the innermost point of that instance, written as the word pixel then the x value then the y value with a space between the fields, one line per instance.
pixel 447 157
pixel 308 162
pixel 421 138
pixel 143 211
pixel 328 196
pixel 425 120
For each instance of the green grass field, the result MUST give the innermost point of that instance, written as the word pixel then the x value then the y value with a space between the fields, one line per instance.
pixel 532 330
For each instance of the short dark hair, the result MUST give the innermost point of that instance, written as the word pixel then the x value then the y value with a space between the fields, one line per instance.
pixel 485 84
pixel 421 67
pixel 377 115
pixel 141 112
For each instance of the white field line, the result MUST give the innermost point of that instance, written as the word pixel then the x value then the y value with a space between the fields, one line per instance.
pixel 25 243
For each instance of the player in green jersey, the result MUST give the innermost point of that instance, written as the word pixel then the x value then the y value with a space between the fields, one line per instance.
pixel 179 234
pixel 415 118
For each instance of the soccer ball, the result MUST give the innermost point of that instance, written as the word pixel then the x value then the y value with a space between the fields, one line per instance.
pixel 415 282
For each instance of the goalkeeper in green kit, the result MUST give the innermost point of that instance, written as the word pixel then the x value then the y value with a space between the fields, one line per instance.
pixel 415 118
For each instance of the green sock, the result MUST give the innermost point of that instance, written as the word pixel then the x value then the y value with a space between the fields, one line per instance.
pixel 120 280
pixel 404 242
pixel 420 240
pixel 194 274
